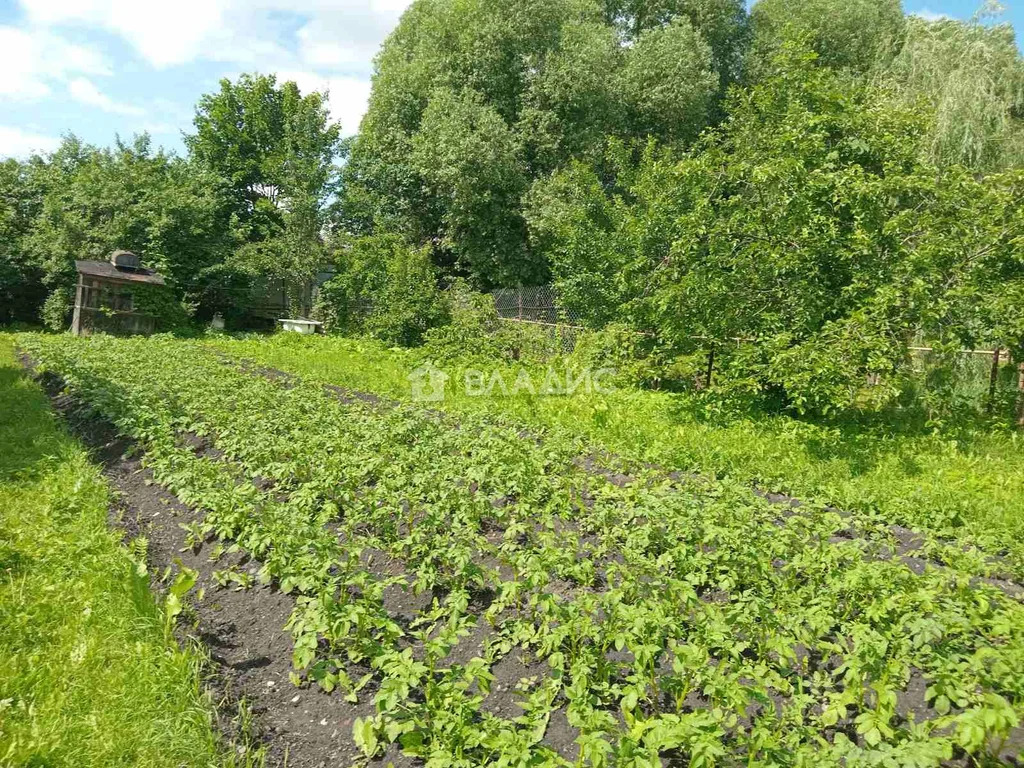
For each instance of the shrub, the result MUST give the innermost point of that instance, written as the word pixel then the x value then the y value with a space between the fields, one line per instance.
pixel 384 288
pixel 475 332
pixel 636 358
pixel 57 309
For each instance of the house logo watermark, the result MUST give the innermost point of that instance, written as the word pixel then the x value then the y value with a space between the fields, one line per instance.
pixel 430 383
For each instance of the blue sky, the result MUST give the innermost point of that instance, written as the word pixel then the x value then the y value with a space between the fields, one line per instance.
pixel 101 68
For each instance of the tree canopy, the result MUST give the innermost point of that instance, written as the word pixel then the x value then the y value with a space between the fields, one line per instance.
pixel 249 204
pixel 276 151
pixel 474 102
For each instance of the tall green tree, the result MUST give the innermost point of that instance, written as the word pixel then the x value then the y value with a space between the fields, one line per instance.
pixel 474 101
pixel 722 24
pixel 827 239
pixel 468 156
pixel 848 34
pixel 972 75
pixel 21 287
pixel 275 150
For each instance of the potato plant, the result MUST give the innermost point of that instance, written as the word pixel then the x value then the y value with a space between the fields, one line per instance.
pixel 669 620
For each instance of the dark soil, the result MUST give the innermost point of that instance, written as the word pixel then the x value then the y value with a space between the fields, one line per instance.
pixel 251 651
pixel 241 630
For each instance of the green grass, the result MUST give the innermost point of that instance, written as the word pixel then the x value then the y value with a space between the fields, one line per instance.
pixel 968 486
pixel 801 640
pixel 87 675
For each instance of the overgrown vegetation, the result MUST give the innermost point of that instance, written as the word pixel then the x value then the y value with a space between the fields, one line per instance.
pixel 759 217
pixel 831 182
pixel 246 207
pixel 659 618
pixel 88 673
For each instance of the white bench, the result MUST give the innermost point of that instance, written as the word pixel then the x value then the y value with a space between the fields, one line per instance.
pixel 305 327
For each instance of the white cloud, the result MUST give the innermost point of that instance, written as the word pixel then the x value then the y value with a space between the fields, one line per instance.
pixel 15 142
pixel 335 33
pixel 86 92
pixel 346 34
pixel 321 44
pixel 929 15
pixel 32 59
pixel 163 33
pixel 348 95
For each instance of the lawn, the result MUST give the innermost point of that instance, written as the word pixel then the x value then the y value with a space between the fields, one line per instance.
pixel 88 673
pixel 483 594
pixel 966 487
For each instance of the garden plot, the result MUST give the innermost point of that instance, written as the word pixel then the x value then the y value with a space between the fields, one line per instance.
pixel 487 598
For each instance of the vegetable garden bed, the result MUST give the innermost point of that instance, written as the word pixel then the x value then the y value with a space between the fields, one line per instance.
pixel 487 598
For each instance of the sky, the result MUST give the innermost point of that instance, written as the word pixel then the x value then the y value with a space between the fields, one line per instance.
pixel 103 68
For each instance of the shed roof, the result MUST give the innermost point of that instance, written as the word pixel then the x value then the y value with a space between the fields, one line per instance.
pixel 108 271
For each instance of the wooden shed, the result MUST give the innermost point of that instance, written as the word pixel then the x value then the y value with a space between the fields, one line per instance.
pixel 106 296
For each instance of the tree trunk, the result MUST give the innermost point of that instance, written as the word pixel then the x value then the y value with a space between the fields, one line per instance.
pixel 1020 398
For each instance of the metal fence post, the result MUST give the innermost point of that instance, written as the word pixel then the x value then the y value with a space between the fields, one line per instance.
pixel 993 380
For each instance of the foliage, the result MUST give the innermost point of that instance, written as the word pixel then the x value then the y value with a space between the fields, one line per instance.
pixel 722 24
pixel 276 150
pixel 634 357
pixel 573 221
pixel 856 35
pixel 825 239
pixel 803 617
pixel 382 287
pixel 87 676
pixel 475 334
pixel 972 75
pixel 467 155
pixel 96 201
pixel 669 82
pixel 161 304
pixel 21 288
pixel 475 101
pixel 964 480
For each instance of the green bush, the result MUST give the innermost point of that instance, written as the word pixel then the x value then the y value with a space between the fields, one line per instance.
pixel 161 303
pixel 637 359
pixel 383 288
pixel 475 332
pixel 57 309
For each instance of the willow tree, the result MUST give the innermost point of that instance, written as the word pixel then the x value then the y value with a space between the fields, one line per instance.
pixel 972 76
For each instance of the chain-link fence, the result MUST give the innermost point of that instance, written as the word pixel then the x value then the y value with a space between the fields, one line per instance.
pixel 983 377
pixel 539 308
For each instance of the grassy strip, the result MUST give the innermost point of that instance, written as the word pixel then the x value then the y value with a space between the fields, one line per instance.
pixel 88 676
pixel 968 486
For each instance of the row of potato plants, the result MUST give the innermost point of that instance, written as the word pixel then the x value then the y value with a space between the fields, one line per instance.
pixel 669 619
